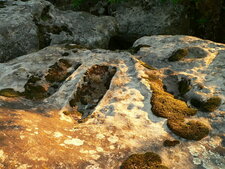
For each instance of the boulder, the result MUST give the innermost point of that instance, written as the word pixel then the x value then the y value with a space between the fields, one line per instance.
pixel 66 106
pixel 32 25
pixel 141 18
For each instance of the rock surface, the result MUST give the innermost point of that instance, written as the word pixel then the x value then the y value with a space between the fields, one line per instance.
pixel 155 17
pixel 65 127
pixel 32 25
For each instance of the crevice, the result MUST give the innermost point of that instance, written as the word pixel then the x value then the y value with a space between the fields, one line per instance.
pixel 120 43
pixel 95 84
pixel 45 29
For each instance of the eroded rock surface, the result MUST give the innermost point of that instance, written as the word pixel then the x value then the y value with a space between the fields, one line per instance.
pixel 97 109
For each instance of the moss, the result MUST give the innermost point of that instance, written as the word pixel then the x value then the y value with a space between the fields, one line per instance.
pixel 164 104
pixel 191 130
pixel 146 65
pixel 148 160
pixel 169 143
pixel 209 106
pixel 178 55
pixel 9 92
pixel 184 86
pixel 134 50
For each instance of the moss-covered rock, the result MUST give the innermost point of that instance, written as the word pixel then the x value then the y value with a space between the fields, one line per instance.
pixel 9 92
pixel 164 104
pixel 148 160
pixel 191 130
pixel 178 55
pixel 169 143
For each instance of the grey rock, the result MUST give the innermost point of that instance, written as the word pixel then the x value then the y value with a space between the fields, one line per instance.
pixel 141 18
pixel 32 25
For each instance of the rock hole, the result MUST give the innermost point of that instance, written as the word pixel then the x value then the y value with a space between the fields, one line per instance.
pixel 120 43
pixel 45 14
pixel 39 87
pixel 96 82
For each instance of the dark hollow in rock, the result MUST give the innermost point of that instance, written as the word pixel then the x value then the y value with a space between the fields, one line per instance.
pixel 178 55
pixel 196 52
pixel 9 92
pixel 209 105
pixel 45 14
pixel 148 160
pixel 184 86
pixel 96 82
pixel 34 90
pixel 120 43
pixel 39 87
pixel 169 143
pixel 191 130
pixel 58 71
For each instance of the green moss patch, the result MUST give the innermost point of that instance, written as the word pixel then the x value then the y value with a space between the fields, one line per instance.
pixel 178 55
pixel 209 105
pixel 169 143
pixel 9 92
pixel 191 130
pixel 165 105
pixel 148 160
pixel 146 65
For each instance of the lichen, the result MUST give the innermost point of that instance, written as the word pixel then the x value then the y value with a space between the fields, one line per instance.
pixel 148 160
pixel 178 55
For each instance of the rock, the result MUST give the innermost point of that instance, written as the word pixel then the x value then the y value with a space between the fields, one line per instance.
pixel 141 18
pixel 67 106
pixel 198 78
pixel 32 25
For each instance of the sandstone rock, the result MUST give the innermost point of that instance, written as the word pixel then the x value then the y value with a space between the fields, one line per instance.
pixel 75 124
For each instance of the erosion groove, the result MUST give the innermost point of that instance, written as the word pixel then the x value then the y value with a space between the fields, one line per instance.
pixel 91 90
